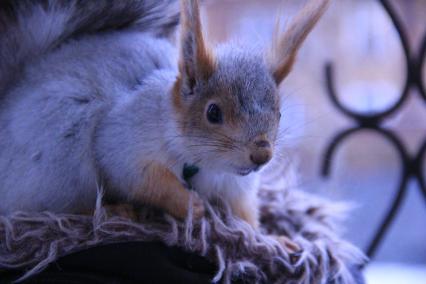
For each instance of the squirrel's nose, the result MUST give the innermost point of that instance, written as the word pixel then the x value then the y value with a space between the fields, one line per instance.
pixel 261 153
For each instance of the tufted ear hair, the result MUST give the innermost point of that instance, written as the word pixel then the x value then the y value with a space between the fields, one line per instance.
pixel 285 45
pixel 196 60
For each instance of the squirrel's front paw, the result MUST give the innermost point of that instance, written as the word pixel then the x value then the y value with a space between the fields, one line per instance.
pixel 123 210
pixel 179 205
pixel 291 247
pixel 197 205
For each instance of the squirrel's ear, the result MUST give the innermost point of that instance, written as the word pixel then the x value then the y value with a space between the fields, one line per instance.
pixel 196 60
pixel 285 45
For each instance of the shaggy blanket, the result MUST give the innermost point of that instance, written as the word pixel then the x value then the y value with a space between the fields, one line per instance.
pixel 32 241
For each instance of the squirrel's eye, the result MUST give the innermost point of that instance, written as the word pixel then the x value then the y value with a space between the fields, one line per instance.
pixel 279 115
pixel 214 114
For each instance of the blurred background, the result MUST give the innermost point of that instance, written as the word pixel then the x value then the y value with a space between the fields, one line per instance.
pixel 370 70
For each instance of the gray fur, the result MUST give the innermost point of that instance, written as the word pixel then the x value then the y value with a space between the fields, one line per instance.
pixel 253 89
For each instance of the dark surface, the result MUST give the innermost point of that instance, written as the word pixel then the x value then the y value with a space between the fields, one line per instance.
pixel 131 262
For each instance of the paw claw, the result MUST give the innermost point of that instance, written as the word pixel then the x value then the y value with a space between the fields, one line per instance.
pixel 295 257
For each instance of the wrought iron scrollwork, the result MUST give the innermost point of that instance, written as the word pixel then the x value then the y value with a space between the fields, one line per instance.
pixel 411 164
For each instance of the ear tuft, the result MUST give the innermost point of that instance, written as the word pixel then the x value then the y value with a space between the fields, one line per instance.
pixel 196 60
pixel 285 46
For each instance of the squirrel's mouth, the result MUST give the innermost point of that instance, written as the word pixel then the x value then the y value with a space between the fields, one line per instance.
pixel 248 170
pixel 244 171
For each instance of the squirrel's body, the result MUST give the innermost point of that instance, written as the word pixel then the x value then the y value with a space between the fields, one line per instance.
pixel 49 122
pixel 93 99
pixel 82 103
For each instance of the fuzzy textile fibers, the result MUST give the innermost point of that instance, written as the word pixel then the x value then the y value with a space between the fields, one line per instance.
pixel 32 241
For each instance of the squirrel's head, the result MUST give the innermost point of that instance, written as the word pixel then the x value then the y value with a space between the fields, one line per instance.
pixel 227 100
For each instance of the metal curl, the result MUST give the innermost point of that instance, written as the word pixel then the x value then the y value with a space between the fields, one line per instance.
pixel 397 23
pixel 421 156
pixel 404 176
pixel 375 118
pixel 363 119
pixel 332 147
pixel 389 217
pixel 420 70
pixel 343 135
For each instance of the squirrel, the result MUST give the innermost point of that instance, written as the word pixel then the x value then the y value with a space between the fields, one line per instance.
pixel 98 95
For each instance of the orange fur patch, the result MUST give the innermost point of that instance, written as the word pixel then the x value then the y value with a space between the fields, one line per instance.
pixel 162 189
